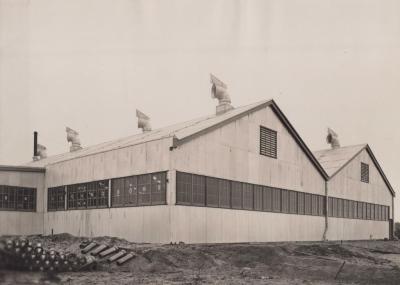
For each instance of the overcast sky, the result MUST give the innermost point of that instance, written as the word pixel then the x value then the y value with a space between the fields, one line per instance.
pixel 89 64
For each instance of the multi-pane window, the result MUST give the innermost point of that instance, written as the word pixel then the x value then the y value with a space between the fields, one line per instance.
pixel 268 142
pixel 285 201
pixel 212 192
pixel 364 172
pixel 216 192
pixel 237 195
pixel 56 198
pixel 142 190
pixel 258 197
pixel 276 200
pixel 14 198
pixel 199 190
pixel 292 202
pixel 88 195
pixel 247 196
pixel 267 199
pixel 224 188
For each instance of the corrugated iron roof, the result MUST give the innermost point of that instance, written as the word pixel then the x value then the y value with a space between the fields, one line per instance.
pixel 179 132
pixel 332 160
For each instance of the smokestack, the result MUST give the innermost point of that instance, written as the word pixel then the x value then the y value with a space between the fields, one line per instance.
pixel 39 151
pixel 333 139
pixel 143 121
pixel 73 138
pixel 35 137
pixel 219 91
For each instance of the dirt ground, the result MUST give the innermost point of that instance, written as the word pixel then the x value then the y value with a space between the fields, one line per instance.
pixel 364 262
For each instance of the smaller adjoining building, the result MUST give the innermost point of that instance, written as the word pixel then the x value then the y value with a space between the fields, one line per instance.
pixel 242 174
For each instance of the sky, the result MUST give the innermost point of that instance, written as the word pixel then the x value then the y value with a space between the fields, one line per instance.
pixel 89 64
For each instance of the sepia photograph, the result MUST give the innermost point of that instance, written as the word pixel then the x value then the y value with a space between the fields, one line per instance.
pixel 199 142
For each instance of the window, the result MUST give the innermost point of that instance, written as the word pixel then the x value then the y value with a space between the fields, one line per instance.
pixel 247 196
pixel 224 188
pixel 117 193
pixel 340 208
pixel 130 194
pixel 267 199
pixel 15 198
pixel 321 205
pixel 285 201
pixel 292 202
pixel 268 142
pixel 199 190
pixel 307 204
pixel 314 203
pixel 56 198
pixel 276 200
pixel 88 195
pixel 183 188
pixel 258 198
pixel 237 195
pixel 330 207
pixel 158 188
pixel 300 203
pixel 142 190
pixel 364 172
pixel 212 192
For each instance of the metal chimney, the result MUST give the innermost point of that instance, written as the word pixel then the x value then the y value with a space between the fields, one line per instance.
pixel 39 151
pixel 73 138
pixel 143 121
pixel 333 139
pixel 219 91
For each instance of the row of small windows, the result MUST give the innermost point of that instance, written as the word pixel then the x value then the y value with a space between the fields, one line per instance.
pixel 138 190
pixel 198 190
pixel 342 208
pixel 13 198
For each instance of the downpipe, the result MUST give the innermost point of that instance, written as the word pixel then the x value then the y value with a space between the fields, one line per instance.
pixel 326 212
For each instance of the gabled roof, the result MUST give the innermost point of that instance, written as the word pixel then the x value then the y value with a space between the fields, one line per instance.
pixel 334 160
pixel 183 132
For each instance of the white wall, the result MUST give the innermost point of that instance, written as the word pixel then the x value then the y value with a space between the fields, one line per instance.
pixel 17 222
pixel 232 152
pixel 347 185
pixel 137 224
pixel 215 225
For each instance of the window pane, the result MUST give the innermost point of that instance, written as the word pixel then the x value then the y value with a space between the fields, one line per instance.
pixel 307 204
pixel 285 201
pixel 183 188
pixel 314 203
pixel 158 189
pixel 321 206
pixel 258 190
pixel 117 192
pixel 292 202
pixel 340 208
pixel 300 203
pixel 224 193
pixel 267 199
pixel 144 189
pixel 276 197
pixel 247 196
pixel 212 192
pixel 199 190
pixel 237 195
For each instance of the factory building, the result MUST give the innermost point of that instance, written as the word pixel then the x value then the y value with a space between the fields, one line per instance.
pixel 242 174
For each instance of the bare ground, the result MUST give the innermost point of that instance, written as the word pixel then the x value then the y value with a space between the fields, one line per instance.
pixel 365 262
